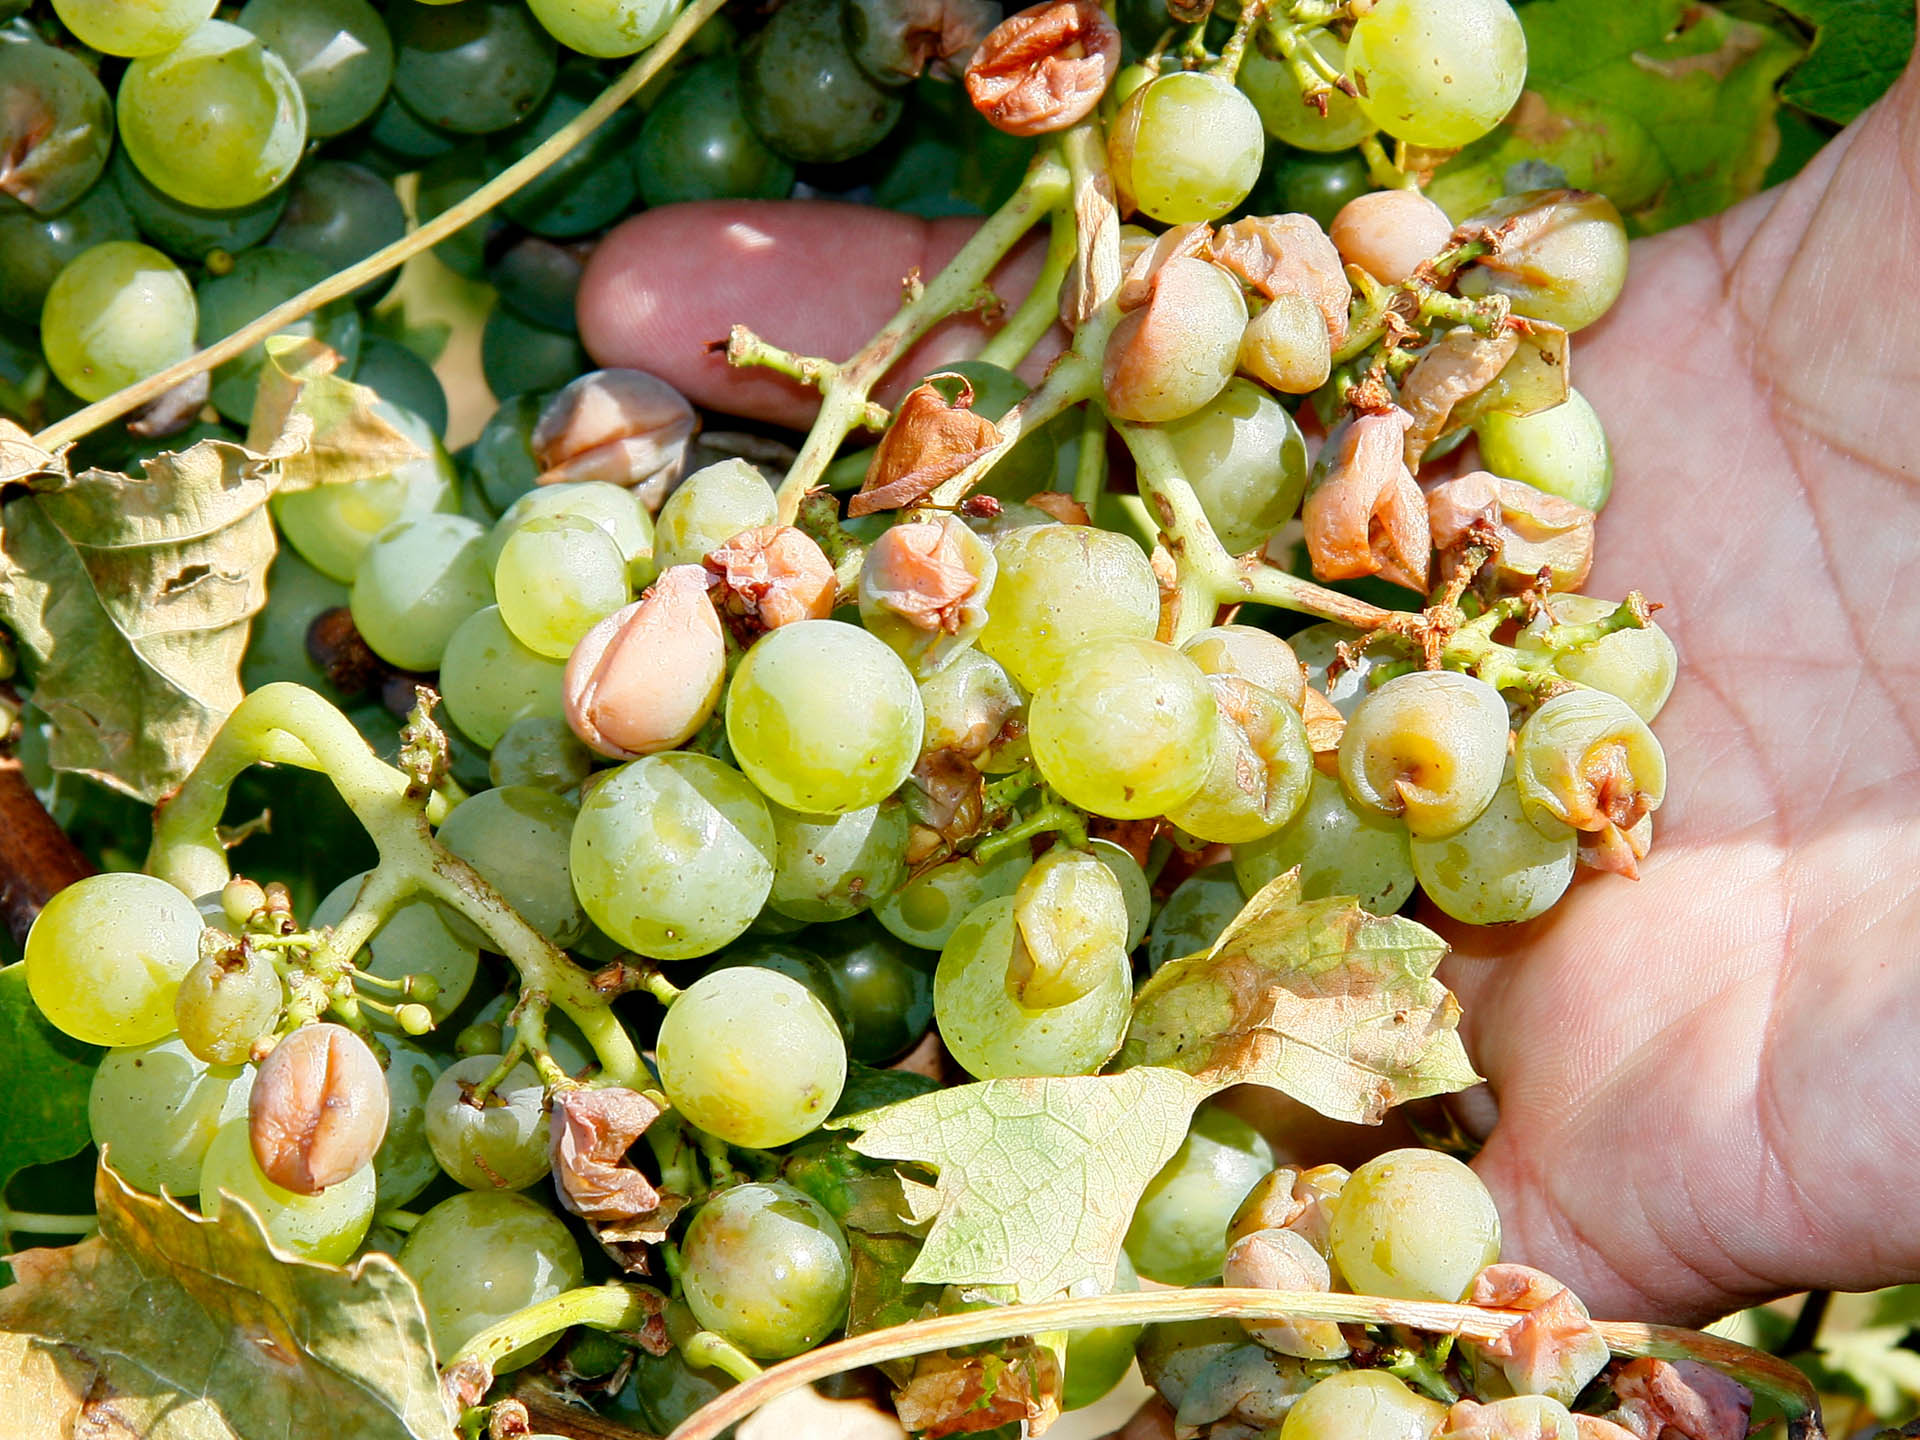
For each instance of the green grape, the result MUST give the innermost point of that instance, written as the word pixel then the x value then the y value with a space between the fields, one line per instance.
pixel 696 143
pixel 1059 587
pixel 502 458
pixel 767 1267
pixel 1276 94
pixel 327 1227
pixel 1097 1360
pixel 401 141
pixel 614 508
pixel 1638 666
pixel 973 709
pixel 929 907
pixel 823 718
pixel 332 525
pixel 115 315
pixel 1134 887
pixel 517 839
pixel 106 955
pixel 404 1165
pixel 419 580
pixel 540 750
pixel 500 1145
pixel 1586 759
pixel 1501 869
pixel 1427 747
pixel 449 178
pixel 475 67
pixel 1414 1225
pixel 828 867
pixel 1186 146
pixel 1071 920
pixel 338 51
pixel 1261 766
pixel 1562 451
pixel 217 121
pixel 402 378
pixel 711 506
pixel 479 1258
pixel 277 650
pixel 1127 730
pixel 1173 1357
pixel 153 1110
pixel 1299 183
pixel 340 214
pixel 556 578
pixel 805 94
pixel 1565 262
pixel 590 186
pixel 540 280
pixel 673 855
pixel 259 281
pixel 1286 346
pixel 992 1035
pixel 415 939
pixel 489 680
pixel 1362 1405
pixel 1438 73
pixel 39 247
pixel 884 988
pixel 132 27
pixel 56 126
pixel 1196 913
pixel 187 231
pixel 1246 461
pixel 225 1004
pixel 517 356
pixel 751 1056
pixel 604 28
pixel 1246 652
pixel 784 957
pixel 1179 1230
pixel 1316 646
pixel 1339 849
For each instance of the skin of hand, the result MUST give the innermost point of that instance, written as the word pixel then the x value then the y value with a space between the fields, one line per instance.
pixel 1708 1083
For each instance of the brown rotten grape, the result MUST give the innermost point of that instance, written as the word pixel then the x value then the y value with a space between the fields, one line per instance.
pixel 1044 68
pixel 647 677
pixel 1363 513
pixel 318 1111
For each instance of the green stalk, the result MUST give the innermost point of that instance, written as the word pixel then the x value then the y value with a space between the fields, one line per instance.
pixel 612 1306
pixel 1039 312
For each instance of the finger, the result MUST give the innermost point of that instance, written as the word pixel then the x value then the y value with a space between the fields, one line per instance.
pixel 813 277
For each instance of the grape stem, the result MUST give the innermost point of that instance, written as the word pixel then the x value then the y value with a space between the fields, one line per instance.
pixel 1038 313
pixel 400 1220
pixel 1090 467
pixel 613 1306
pixel 509 181
pixel 287 724
pixel 705 1350
pixel 36 1222
pixel 1228 65
pixel 1765 1374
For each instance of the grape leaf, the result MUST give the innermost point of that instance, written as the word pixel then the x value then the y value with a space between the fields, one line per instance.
pixel 44 1077
pixel 1859 49
pixel 323 428
pixel 172 1327
pixel 1315 998
pixel 1667 107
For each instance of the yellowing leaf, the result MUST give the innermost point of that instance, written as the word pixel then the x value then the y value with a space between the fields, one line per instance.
pixel 1316 998
pixel 325 429
pixel 171 1327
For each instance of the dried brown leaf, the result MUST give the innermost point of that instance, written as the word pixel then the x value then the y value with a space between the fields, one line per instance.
pixel 589 1134
pixel 1288 255
pixel 1044 68
pixel 959 1394
pixel 929 442
pixel 1363 514
pixel 1450 370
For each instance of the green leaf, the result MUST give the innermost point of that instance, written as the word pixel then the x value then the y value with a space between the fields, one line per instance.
pixel 1666 106
pixel 172 1327
pixel 131 599
pixel 1859 49
pixel 1877 1360
pixel 44 1077
pixel 1316 998
pixel 1038 1178
pixel 323 429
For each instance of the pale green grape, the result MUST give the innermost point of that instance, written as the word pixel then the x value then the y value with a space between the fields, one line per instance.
pixel 1070 917
pixel 1562 451
pixel 829 867
pixel 557 577
pixel 517 838
pixel 1339 849
pixel 823 717
pixel 338 51
pixel 1199 909
pixel 1134 886
pixel 327 1227
pixel 1586 759
pixel 114 315
pixel 603 27
pixel 1565 263
pixel 107 954
pixel 225 1004
pixel 1428 747
pixel 1502 868
pixel 490 681
pixel 1439 73
pixel 711 506
pixel 1283 108
pixel 751 1055
pixel 928 908
pixel 1188 146
pixel 404 1165
pixel 1249 653
pixel 1097 1360
pixel 972 708
pixel 1060 586
pixel 1126 730
pixel 414 940
pixel 1639 666
pixel 217 121
pixel 418 581
pixel 1362 1405
pixel 480 1257
pixel 673 855
pixel 540 750
pixel 1179 1230
pixel 1246 461
pixel 614 508
pixel 993 1035
pixel 1315 646
pixel 153 1109
pixel 1261 766
pixel 498 1145
pixel 1414 1225
pixel 133 27
pixel 767 1267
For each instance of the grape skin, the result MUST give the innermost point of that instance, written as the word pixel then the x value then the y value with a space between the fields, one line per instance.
pixel 1179 1230
pixel 106 955
pixel 711 506
pixel 1059 587
pixel 1428 746
pixel 929 908
pixel 115 27
pixel 767 1267
pixel 490 681
pixel 1362 1405
pixel 1415 1225
pixel 154 1109
pixel 1503 868
pixel 1440 73
pixel 419 580
pixel 116 314
pixel 517 839
pixel 1340 849
pixel 499 1146
pixel 480 1257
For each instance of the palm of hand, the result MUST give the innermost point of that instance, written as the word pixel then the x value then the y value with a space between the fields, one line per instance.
pixel 1707 1083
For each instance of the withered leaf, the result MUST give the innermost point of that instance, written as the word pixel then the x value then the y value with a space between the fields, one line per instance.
pixel 1315 998
pixel 929 442
pixel 589 1133
pixel 324 429
pixel 172 1327
pixel 957 1394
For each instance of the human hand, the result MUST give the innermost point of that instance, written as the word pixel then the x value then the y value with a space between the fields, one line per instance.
pixel 1706 1084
